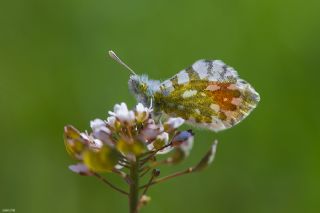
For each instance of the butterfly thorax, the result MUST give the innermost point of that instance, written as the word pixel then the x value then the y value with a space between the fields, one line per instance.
pixel 143 88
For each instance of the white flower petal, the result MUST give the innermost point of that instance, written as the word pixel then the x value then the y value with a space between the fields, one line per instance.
pixel 97 124
pixel 140 108
pixel 151 131
pixel 165 137
pixel 80 169
pixel 97 143
pixel 84 136
pixel 111 120
pixel 142 113
pixel 118 167
pixel 187 146
pixel 122 108
pixel 212 152
pixel 122 113
pixel 175 122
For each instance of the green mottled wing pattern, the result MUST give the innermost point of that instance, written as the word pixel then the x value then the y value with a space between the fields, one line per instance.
pixel 208 94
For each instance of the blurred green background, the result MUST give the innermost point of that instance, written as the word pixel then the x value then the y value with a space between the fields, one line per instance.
pixel 54 71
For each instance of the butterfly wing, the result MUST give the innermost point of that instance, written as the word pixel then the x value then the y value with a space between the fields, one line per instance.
pixel 208 94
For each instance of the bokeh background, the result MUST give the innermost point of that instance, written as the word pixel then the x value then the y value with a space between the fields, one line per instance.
pixel 54 71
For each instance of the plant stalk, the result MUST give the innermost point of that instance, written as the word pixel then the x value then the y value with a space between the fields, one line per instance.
pixel 110 184
pixel 134 187
pixel 160 180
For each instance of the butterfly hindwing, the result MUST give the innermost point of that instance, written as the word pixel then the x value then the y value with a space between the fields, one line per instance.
pixel 208 94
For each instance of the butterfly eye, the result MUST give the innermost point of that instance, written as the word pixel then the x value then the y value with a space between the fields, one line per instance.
pixel 142 87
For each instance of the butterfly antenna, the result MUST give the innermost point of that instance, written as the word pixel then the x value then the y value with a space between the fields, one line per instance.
pixel 117 59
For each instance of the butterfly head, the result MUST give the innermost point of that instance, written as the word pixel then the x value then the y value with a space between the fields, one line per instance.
pixel 143 88
pixel 140 85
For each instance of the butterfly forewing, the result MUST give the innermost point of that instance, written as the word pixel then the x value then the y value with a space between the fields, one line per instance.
pixel 208 94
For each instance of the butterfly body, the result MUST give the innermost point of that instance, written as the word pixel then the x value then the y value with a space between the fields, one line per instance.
pixel 208 94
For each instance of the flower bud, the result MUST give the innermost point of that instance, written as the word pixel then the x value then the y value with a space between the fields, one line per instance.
pixel 156 172
pixel 161 141
pixel 182 143
pixel 74 142
pixel 182 137
pixel 207 159
pixel 144 200
pixel 97 124
pixel 142 113
pixel 80 169
pixel 150 131
pixel 127 147
pixel 102 160
pixel 122 113
pixel 173 123
pixel 101 131
pixel 176 157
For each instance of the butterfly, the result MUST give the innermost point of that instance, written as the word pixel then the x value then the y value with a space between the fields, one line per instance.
pixel 208 94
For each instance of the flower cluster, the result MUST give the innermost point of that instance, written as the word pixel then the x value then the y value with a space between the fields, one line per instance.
pixel 126 136
pixel 127 143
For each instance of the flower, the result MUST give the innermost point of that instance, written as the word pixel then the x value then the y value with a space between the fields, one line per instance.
pixel 183 142
pixel 75 142
pixel 175 122
pixel 182 138
pixel 142 113
pixel 126 143
pixel 97 124
pixel 122 113
pixel 162 140
pixel 123 137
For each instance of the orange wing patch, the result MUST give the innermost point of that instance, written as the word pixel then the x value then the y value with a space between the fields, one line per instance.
pixel 208 94
pixel 226 98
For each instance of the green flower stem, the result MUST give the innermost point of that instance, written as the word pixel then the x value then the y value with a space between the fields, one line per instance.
pixel 134 186
pixel 151 154
pixel 148 184
pixel 160 180
pixel 110 184
pixel 145 171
